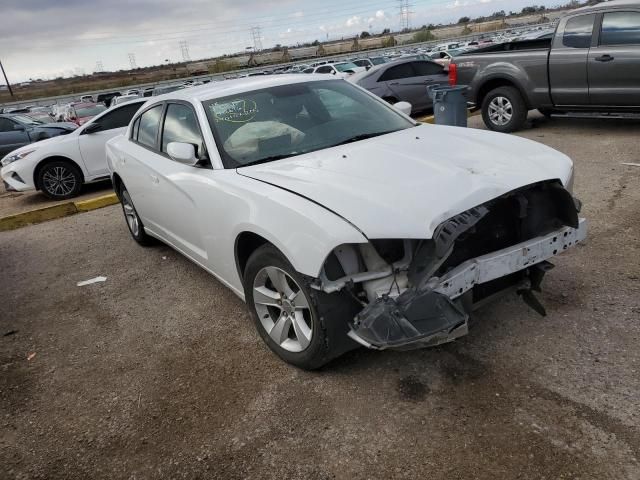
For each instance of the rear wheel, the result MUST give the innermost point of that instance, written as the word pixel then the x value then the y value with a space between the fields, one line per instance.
pixel 60 180
pixel 302 326
pixel 504 110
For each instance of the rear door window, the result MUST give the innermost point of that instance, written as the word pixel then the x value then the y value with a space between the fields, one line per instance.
pixel 147 131
pixel 398 72
pixel 427 68
pixel 578 31
pixel 6 125
pixel 620 28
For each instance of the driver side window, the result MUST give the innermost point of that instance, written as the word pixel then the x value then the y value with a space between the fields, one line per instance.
pixel 120 117
pixel 181 125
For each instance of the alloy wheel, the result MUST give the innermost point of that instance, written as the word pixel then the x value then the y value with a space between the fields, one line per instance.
pixel 59 181
pixel 500 110
pixel 283 309
pixel 130 214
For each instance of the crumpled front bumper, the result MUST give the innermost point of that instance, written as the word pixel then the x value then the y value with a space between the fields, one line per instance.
pixel 429 315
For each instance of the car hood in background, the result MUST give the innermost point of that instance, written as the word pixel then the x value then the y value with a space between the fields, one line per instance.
pixel 60 125
pixel 404 184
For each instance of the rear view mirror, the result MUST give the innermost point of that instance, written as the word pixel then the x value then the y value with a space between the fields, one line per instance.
pixel 404 107
pixel 182 152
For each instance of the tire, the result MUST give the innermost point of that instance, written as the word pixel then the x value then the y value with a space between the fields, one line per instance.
pixel 504 110
pixel 133 221
pixel 307 329
pixel 60 180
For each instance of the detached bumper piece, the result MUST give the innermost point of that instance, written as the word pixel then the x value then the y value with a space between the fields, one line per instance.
pixel 433 313
pixel 415 319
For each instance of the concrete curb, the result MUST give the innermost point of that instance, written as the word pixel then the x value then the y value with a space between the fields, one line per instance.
pixel 431 119
pixel 11 222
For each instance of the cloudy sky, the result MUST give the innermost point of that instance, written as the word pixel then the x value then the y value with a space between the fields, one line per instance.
pixel 49 38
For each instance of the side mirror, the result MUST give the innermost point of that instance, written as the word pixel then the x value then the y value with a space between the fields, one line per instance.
pixel 403 107
pixel 182 153
pixel 19 127
pixel 92 128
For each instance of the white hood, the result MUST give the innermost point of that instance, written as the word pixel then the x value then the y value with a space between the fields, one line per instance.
pixel 403 185
pixel 39 144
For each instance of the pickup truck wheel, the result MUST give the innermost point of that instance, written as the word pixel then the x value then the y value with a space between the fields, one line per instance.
pixel 304 327
pixel 504 110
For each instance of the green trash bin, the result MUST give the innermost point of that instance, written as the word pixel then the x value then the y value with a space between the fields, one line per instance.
pixel 449 104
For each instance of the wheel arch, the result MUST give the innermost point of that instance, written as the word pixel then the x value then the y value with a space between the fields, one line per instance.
pixel 246 243
pixel 54 158
pixel 117 184
pixel 497 82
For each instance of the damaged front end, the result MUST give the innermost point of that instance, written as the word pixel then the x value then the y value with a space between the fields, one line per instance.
pixel 418 293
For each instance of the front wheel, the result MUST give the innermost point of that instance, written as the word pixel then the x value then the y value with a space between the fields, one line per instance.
pixel 304 327
pixel 136 228
pixel 60 180
pixel 504 110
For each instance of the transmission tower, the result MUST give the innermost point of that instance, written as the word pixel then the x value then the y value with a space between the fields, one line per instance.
pixel 132 61
pixel 184 49
pixel 99 66
pixel 256 36
pixel 405 14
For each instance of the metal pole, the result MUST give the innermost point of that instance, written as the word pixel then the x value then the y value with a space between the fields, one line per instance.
pixel 6 80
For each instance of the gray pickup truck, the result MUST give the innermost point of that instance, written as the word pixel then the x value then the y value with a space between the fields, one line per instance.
pixel 590 66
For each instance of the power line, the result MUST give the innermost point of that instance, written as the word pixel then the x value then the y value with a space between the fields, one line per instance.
pixel 132 61
pixel 256 36
pixel 405 14
pixel 184 49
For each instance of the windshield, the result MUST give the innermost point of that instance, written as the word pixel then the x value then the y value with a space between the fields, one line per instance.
pixel 341 67
pixel 377 60
pixel 90 111
pixel 288 120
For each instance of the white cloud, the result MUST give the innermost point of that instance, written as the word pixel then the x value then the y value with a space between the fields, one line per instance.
pixel 380 15
pixel 298 14
pixel 353 21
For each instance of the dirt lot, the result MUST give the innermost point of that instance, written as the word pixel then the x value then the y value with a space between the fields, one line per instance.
pixel 158 373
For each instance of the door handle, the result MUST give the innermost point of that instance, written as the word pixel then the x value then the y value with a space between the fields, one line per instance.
pixel 604 58
pixel 154 179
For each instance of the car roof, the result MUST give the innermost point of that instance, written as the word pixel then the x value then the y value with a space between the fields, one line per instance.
pixel 613 4
pixel 235 86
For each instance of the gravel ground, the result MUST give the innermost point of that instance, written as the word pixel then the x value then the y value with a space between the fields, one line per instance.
pixel 158 372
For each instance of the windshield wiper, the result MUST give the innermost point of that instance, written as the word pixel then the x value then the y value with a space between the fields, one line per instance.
pixel 363 136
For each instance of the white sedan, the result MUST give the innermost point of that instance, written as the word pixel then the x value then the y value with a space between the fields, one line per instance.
pixel 337 218
pixel 59 166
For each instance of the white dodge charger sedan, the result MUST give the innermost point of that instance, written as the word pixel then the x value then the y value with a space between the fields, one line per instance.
pixel 59 166
pixel 338 219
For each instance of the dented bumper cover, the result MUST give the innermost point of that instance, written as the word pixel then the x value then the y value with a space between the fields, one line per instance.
pixel 431 313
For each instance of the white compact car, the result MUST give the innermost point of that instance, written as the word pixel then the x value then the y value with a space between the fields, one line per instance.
pixel 338 219
pixel 59 166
